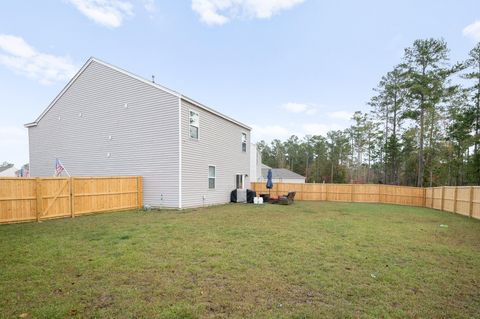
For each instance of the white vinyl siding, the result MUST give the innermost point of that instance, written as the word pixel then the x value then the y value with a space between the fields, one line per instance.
pixel 219 146
pixel 110 123
pixel 132 121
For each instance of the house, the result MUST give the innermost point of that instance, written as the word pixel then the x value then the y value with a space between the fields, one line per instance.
pixel 282 175
pixel 258 170
pixel 255 164
pixel 8 170
pixel 108 122
pixel 24 171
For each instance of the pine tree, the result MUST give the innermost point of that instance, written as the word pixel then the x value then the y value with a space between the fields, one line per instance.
pixel 425 65
pixel 473 63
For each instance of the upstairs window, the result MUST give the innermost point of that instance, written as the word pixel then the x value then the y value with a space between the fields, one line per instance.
pixel 244 142
pixel 194 124
pixel 211 177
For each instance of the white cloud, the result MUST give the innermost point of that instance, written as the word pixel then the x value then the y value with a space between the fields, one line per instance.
pixel 11 135
pixel 269 132
pixel 320 128
pixel 320 124
pixel 22 58
pixel 16 46
pixel 299 108
pixel 109 13
pixel 14 145
pixel 295 107
pixel 472 31
pixel 218 12
pixel 149 5
pixel 340 115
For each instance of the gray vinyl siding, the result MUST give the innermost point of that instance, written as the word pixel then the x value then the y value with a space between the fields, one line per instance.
pixel 144 136
pixel 219 144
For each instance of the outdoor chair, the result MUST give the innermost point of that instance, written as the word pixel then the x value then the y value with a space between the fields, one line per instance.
pixel 283 200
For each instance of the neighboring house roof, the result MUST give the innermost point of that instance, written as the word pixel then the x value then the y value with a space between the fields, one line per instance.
pixel 158 86
pixel 281 173
pixel 25 167
pixel 4 168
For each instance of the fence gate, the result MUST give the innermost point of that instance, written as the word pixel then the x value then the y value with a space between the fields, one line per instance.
pixel 54 196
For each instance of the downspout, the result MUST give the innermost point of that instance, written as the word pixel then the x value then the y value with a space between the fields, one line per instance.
pixel 180 152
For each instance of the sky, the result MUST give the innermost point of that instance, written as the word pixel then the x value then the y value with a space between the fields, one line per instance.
pixel 281 66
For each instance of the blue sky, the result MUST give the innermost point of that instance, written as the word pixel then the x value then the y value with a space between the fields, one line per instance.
pixel 282 66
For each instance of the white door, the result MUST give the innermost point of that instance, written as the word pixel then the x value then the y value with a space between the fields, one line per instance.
pixel 240 181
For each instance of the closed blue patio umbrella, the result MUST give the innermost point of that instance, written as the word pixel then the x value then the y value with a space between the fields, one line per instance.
pixel 269 181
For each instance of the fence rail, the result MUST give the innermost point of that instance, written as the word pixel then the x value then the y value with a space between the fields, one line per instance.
pixel 464 200
pixel 30 199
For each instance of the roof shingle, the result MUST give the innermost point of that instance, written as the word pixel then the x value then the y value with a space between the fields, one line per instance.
pixel 281 173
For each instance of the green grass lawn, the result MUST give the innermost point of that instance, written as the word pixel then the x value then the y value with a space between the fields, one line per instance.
pixel 308 260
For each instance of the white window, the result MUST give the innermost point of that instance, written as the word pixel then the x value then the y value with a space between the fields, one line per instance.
pixel 194 124
pixel 239 181
pixel 211 177
pixel 244 142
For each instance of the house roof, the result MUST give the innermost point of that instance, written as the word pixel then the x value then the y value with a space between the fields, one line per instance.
pixel 25 166
pixel 4 168
pixel 281 173
pixel 158 86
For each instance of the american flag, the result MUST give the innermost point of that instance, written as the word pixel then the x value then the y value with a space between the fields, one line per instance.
pixel 24 172
pixel 58 168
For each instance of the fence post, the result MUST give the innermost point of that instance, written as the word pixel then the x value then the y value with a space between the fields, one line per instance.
pixel 455 195
pixel 424 197
pixel 139 192
pixel 432 195
pixel 351 192
pixel 38 190
pixel 381 199
pixel 470 212
pixel 443 197
pixel 72 197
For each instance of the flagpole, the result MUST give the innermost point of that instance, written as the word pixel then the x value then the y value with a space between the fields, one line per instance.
pixel 65 169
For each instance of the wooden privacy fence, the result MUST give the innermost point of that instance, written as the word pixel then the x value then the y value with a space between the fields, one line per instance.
pixel 29 199
pixel 363 193
pixel 463 200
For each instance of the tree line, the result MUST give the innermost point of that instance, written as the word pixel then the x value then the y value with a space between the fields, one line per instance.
pixel 422 128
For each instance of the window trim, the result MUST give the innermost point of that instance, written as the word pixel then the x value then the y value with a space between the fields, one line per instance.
pixel 246 142
pixel 214 178
pixel 190 124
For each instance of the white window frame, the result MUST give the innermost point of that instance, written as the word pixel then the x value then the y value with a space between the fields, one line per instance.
pixel 214 177
pixel 246 142
pixel 190 124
